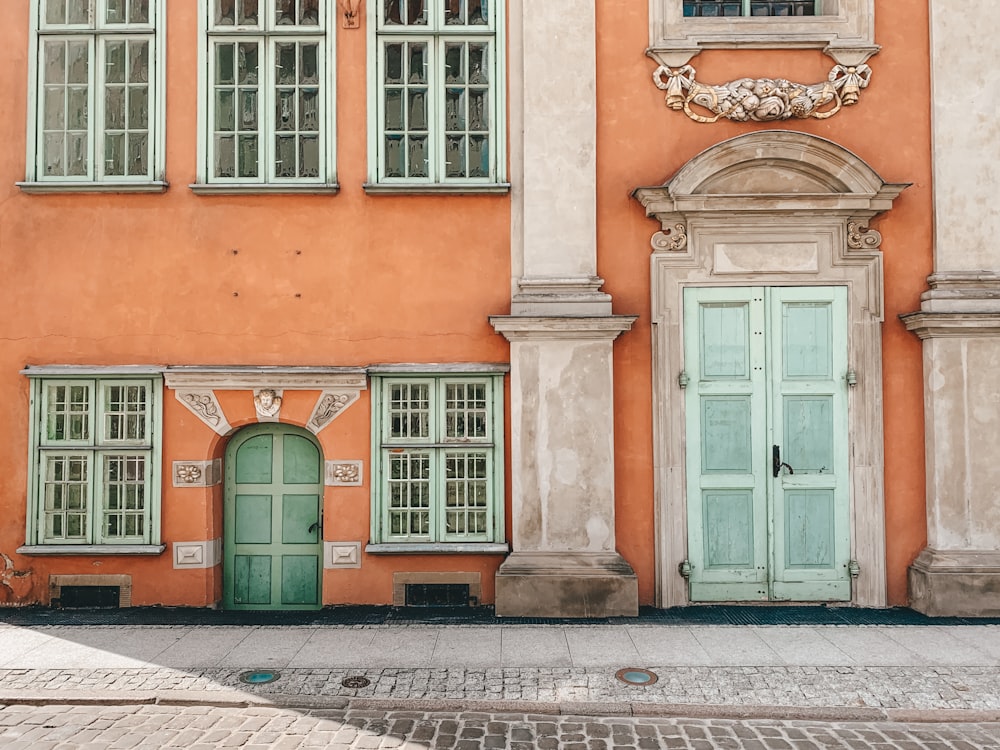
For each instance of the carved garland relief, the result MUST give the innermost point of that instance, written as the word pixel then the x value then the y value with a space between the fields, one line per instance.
pixel 761 99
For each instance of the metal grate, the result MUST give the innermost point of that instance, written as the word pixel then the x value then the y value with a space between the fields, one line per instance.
pixel 437 595
pixel 89 597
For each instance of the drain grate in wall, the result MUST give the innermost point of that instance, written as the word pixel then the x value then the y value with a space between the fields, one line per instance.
pixel 89 597
pixel 437 595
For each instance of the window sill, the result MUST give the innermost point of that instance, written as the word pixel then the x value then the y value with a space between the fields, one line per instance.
pixel 91 549
pixel 431 548
pixel 250 188
pixel 42 188
pixel 381 188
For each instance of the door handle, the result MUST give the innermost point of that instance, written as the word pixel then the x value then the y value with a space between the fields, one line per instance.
pixel 314 527
pixel 777 463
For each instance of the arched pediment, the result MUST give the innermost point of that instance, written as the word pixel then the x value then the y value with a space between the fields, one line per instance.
pixel 770 163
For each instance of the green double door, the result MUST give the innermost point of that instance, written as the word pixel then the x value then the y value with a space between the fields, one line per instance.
pixel 767 457
pixel 273 520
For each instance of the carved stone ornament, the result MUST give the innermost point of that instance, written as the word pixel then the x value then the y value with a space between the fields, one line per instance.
pixel 205 406
pixel 861 237
pixel 672 238
pixel 761 99
pixel 267 402
pixel 329 406
pixel 189 473
pixel 343 473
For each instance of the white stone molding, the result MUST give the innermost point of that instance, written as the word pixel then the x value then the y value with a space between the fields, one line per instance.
pixel 341 555
pixel 267 404
pixel 197 473
pixel 672 238
pixel 204 405
pixel 340 473
pixel 845 31
pixel 329 406
pixel 761 99
pixel 197 555
pixel 772 207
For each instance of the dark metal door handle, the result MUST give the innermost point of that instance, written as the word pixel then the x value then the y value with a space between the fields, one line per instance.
pixel 314 527
pixel 777 463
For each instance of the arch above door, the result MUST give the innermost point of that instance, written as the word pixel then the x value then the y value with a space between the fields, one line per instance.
pixel 771 208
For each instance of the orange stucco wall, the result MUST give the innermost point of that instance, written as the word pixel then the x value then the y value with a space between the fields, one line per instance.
pixel 354 279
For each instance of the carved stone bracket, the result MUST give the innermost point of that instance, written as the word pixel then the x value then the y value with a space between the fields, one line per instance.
pixel 329 406
pixel 762 99
pixel 205 406
pixel 862 237
pixel 672 238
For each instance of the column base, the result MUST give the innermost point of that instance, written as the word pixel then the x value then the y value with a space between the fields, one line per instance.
pixel 566 584
pixel 956 584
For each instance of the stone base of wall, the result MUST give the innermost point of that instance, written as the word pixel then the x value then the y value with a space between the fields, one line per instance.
pixel 956 584
pixel 566 584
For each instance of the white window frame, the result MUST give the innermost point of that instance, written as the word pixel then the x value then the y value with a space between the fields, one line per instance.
pixel 93 448
pixel 844 28
pixel 268 34
pixel 437 445
pixel 36 181
pixel 436 34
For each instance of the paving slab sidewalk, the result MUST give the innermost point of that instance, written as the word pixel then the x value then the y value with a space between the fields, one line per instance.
pixel 867 672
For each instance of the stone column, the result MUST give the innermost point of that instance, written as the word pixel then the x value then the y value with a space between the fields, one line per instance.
pixel 959 322
pixel 563 561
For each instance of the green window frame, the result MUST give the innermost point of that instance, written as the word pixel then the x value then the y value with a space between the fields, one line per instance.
pixel 438 447
pixel 436 79
pixel 267 105
pixel 96 116
pixel 95 457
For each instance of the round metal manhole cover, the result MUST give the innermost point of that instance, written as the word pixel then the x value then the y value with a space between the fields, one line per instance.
pixel 636 676
pixel 259 677
pixel 355 682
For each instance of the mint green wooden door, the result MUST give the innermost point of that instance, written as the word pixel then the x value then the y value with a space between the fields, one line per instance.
pixel 273 540
pixel 767 466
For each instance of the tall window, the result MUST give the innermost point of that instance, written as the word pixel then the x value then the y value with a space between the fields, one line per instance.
pixel 95 116
pixel 439 478
pixel 749 8
pixel 436 95
pixel 95 479
pixel 269 92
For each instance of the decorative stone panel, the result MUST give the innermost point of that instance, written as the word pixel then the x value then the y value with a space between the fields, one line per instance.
pixel 197 473
pixel 345 473
pixel 329 406
pixel 196 555
pixel 341 555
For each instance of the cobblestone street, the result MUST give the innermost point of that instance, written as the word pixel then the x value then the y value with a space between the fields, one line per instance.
pixel 257 728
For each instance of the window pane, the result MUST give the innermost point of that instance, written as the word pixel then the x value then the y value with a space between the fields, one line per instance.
pixel 711 8
pixel 65 491
pixel 404 12
pixel 68 415
pixel 55 11
pixel 115 11
pixel 466 493
pixel 454 12
pixel 409 494
pixel 78 11
pixel 465 411
pixel 125 413
pixel 248 13
pixel 409 410
pixel 225 12
pixel 126 108
pixel 124 498
pixel 236 122
pixel 138 11
pixel 65 119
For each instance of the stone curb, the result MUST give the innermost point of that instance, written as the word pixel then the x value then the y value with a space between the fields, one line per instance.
pixel 232 699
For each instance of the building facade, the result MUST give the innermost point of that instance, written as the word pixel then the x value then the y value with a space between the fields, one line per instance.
pixel 562 307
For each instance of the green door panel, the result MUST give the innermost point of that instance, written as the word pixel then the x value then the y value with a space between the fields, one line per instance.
pixel 299 579
pixel 273 509
pixel 252 584
pixel 299 514
pixel 766 368
pixel 302 464
pixel 253 459
pixel 253 519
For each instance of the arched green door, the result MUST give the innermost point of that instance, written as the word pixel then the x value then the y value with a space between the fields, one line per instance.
pixel 273 519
